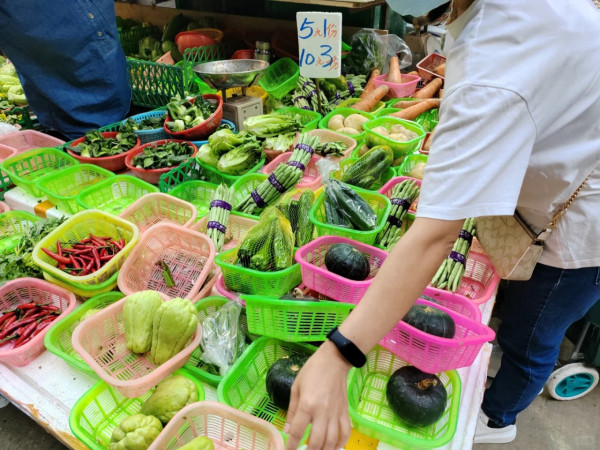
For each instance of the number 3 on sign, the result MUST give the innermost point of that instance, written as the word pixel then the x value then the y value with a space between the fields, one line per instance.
pixel 320 44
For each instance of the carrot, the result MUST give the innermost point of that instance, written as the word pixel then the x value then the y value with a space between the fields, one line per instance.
pixel 428 141
pixel 412 112
pixel 371 84
pixel 413 72
pixel 407 103
pixel 394 74
pixel 368 102
pixel 440 70
pixel 441 93
pixel 429 90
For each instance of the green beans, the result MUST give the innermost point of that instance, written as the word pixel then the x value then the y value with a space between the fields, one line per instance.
pixel 403 195
pixel 218 216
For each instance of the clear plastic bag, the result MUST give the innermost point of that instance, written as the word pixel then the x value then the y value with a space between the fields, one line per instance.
pixel 371 50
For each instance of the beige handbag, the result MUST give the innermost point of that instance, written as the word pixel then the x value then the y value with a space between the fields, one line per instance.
pixel 511 245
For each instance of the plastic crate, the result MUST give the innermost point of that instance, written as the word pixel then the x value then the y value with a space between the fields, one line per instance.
pixel 159 208
pixel 23 141
pixel 188 254
pixel 315 275
pixel 115 194
pixel 11 228
pixel 371 413
pixel 311 178
pixel 26 168
pixel 345 165
pixel 61 188
pixel 114 163
pixel 204 129
pixel 254 282
pixel 401 149
pixel 349 102
pixel 100 341
pixel 207 288
pixel 156 134
pixel 188 171
pixel 280 78
pixel 5 183
pixel 379 203
pixel 223 425
pixel 404 89
pixel 4 208
pixel 294 321
pixel 214 175
pixel 237 229
pixel 480 280
pixel 409 163
pixel 433 354
pixel 58 337
pixel 153 84
pixel 308 119
pixel 360 137
pixel 100 410
pixel 6 152
pixel 388 188
pixel 198 193
pixel 222 290
pixel 85 292
pixel 331 136
pixel 27 290
pixel 426 66
pixel 197 55
pixel 79 227
pixel 243 387
pixel 243 187
pixel 456 302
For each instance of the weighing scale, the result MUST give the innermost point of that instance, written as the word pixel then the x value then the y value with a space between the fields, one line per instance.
pixel 235 73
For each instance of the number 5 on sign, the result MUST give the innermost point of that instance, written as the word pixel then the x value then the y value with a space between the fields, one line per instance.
pixel 320 44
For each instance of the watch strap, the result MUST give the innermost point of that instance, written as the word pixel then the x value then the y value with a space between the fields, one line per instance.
pixel 347 348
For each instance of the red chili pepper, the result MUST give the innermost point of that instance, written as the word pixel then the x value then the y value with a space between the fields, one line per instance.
pixel 62 266
pixel 9 338
pixel 81 247
pixel 8 323
pixel 101 242
pixel 89 266
pixel 121 244
pixel 6 316
pixel 26 333
pixel 58 258
pixel 86 259
pixel 74 262
pixel 106 258
pixel 15 326
pixel 41 327
pixel 26 306
pixel 96 258
pixel 50 307
pixel 85 241
pixel 59 248
pixel 103 252
pixel 87 251
pixel 30 312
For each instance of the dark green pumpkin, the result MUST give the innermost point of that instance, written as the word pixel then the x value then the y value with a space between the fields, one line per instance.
pixel 281 376
pixel 431 320
pixel 417 398
pixel 347 261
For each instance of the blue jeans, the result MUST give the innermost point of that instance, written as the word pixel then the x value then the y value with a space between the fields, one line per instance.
pixel 536 316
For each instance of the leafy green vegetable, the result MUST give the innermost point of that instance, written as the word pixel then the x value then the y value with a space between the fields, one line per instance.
pixel 241 159
pixel 207 155
pixel 95 145
pixel 269 125
pixel 366 54
pixel 280 143
pixel 164 155
pixel 224 126
pixel 149 123
pixel 188 114
pixel 223 141
pixel 149 49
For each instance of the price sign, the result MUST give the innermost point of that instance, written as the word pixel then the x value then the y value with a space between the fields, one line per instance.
pixel 320 44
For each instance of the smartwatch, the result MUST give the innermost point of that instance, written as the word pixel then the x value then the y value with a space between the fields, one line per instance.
pixel 346 347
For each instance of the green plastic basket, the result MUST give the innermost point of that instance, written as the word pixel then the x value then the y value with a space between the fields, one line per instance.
pixel 198 193
pixel 58 337
pixel 371 414
pixel 11 228
pixel 243 387
pixel 81 290
pixel 253 282
pixel 294 321
pixel 347 163
pixel 26 168
pixel 380 204
pixel 391 102
pixel 349 102
pixel 154 84
pixel 243 187
pixel 100 410
pixel 115 194
pixel 360 138
pixel 308 119
pixel 401 149
pixel 409 163
pixel 5 184
pixel 62 187
pixel 280 78
pixel 188 171
pixel 213 175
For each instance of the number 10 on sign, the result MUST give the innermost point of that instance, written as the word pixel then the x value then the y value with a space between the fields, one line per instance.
pixel 320 44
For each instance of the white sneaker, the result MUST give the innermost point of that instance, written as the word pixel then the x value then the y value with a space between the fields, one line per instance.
pixel 488 435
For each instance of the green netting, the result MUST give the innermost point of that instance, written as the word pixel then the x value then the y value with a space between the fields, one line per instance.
pixel 189 171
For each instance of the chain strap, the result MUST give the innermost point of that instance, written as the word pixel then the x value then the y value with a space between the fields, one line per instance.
pixel 563 209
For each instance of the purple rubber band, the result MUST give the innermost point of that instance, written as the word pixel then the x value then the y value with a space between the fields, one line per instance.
pixel 307 148
pixel 312 93
pixel 466 236
pixel 299 98
pixel 458 257
pixel 351 88
pixel 217 226
pixel 394 221
pixel 258 199
pixel 337 95
pixel 403 202
pixel 220 204
pixel 306 83
pixel 306 108
pixel 276 184
pixel 296 164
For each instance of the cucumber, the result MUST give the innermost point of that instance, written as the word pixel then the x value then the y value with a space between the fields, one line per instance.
pixel 177 24
pixel 170 46
pixel 304 227
pixel 368 169
pixel 353 206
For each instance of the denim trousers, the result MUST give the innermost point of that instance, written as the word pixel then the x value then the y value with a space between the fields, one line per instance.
pixel 535 318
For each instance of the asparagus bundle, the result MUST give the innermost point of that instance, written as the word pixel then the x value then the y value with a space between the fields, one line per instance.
pixel 284 177
pixel 218 216
pixel 452 269
pixel 403 195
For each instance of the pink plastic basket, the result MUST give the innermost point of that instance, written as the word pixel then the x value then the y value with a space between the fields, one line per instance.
pixel 399 90
pixel 237 228
pixel 222 290
pixel 156 208
pixel 4 207
pixel 480 279
pixel 100 341
pixel 433 354
pixel 311 178
pixel 388 187
pixel 316 277
pixel 426 66
pixel 189 255
pixel 332 136
pixel 6 152
pixel 225 426
pixel 27 290
pixel 23 141
pixel 456 302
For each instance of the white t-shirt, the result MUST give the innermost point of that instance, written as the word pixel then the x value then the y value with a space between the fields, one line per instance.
pixel 520 123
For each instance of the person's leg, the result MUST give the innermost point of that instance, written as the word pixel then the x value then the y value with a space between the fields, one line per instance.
pixel 536 316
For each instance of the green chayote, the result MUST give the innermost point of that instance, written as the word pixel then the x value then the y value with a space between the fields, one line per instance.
pixel 135 432
pixel 199 443
pixel 169 397
pixel 175 322
pixel 138 317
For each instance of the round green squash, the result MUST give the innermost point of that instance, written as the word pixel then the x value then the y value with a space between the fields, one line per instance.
pixel 347 261
pixel 431 320
pixel 417 398
pixel 281 376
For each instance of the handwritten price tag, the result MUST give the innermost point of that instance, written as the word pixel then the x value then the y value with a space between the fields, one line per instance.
pixel 320 44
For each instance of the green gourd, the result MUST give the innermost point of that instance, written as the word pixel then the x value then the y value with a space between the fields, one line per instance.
pixel 431 320
pixel 347 261
pixel 281 376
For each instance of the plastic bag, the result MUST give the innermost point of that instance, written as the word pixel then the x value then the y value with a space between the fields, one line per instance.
pixel 371 50
pixel 223 339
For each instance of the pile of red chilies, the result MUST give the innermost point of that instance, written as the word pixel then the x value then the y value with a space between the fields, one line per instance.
pixel 86 256
pixel 25 322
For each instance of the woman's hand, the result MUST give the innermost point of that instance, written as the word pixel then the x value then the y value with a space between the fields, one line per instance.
pixel 320 398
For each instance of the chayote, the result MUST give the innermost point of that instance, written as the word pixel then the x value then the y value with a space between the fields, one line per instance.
pixel 199 443
pixel 138 317
pixel 135 432
pixel 169 397
pixel 89 313
pixel 174 324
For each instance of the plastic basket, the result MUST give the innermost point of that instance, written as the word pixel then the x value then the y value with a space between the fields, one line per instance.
pixel 360 137
pixel 214 175
pixel 6 152
pixel 371 413
pixel 156 134
pixel 294 321
pixel 280 77
pixel 79 227
pixel 58 337
pixel 153 84
pixel 243 187
pixel 433 354
pixel 237 229
pixel 226 427
pixel 198 193
pixel 345 165
pixel 388 188
pixel 456 302
pixel 315 275
pixel 115 194
pixel 27 290
pixel 207 288
pixel 26 168
pixel 409 163
pixel 5 183
pixel 84 292
pixel 480 280
pixel 188 171
pixel 327 136
pixel 311 179
pixel 422 150
pixel 401 149
pixel 348 103
pixel 23 141
pixel 62 187
pixel 222 290
pixel 159 208
pixel 243 387
pixel 404 89
pixel 11 228
pixel 254 282
pixel 379 203
pixel 426 66
pixel 4 208
pixel 100 341
pixel 308 119
pixel 188 254
pixel 100 410
pixel 203 130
